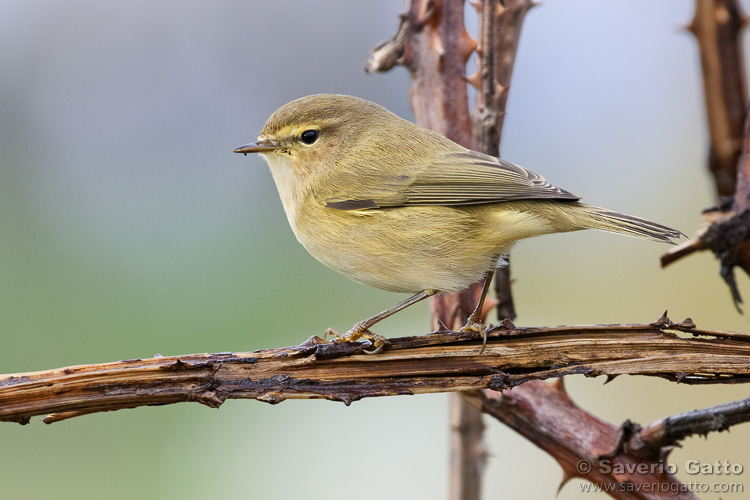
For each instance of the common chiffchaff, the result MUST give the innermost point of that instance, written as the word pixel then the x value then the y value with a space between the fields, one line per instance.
pixel 399 207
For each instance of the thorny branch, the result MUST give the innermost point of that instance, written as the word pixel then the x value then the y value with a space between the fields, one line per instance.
pixel 432 43
pixel 500 26
pixel 717 25
pixel 434 46
pixel 672 430
pixel 444 361
pixel 580 442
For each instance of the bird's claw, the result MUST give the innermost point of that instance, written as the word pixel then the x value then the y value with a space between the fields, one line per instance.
pixel 356 333
pixel 474 326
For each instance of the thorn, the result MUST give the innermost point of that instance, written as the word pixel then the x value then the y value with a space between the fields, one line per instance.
pixel 500 91
pixel 475 80
pixel 559 385
pixel 610 378
pixel 428 14
pixel 566 477
pixel 499 9
pixel 467 44
pixel 661 321
pixel 687 323
pixel 692 27
pixel 507 324
pixel 442 328
pixel 727 273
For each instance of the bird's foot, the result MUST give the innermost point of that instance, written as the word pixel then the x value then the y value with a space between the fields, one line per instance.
pixel 358 331
pixel 475 326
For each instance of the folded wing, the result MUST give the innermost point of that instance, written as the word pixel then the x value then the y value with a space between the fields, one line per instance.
pixel 456 178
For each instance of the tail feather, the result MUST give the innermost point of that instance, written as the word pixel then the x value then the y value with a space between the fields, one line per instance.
pixel 606 220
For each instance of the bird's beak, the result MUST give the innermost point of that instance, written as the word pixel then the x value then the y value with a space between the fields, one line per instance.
pixel 260 146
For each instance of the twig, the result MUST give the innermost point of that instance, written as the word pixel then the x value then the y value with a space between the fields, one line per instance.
pixel 671 430
pixel 684 249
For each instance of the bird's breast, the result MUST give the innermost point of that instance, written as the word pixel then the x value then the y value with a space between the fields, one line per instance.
pixel 407 249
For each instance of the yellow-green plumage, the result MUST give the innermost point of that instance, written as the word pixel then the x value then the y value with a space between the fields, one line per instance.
pixel 402 208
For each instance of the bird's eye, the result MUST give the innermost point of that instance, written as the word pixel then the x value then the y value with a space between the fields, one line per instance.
pixel 309 136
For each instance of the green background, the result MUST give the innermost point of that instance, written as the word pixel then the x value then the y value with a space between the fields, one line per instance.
pixel 128 228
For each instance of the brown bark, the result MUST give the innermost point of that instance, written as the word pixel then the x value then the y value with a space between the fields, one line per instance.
pixel 432 43
pixel 441 362
pixel 582 444
pixel 717 25
pixel 500 26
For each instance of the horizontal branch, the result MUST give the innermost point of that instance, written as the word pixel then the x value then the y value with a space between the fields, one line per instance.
pixel 443 361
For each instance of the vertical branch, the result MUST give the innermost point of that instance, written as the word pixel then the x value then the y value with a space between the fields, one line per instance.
pixel 432 43
pixel 717 25
pixel 499 32
pixel 468 451
pixel 500 26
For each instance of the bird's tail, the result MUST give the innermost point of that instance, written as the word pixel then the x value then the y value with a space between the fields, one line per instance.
pixel 605 220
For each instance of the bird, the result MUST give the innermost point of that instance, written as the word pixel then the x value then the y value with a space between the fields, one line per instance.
pixel 402 208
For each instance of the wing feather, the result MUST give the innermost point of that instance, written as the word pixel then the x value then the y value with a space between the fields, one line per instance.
pixel 456 178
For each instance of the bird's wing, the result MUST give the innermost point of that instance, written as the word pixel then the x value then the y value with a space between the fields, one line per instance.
pixel 455 178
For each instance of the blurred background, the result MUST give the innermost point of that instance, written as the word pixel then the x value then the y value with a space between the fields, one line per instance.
pixel 128 228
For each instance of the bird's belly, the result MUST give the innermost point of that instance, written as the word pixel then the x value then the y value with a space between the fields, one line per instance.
pixel 403 249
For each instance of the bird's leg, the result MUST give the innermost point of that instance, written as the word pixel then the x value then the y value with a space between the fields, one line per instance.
pixel 474 324
pixel 362 329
